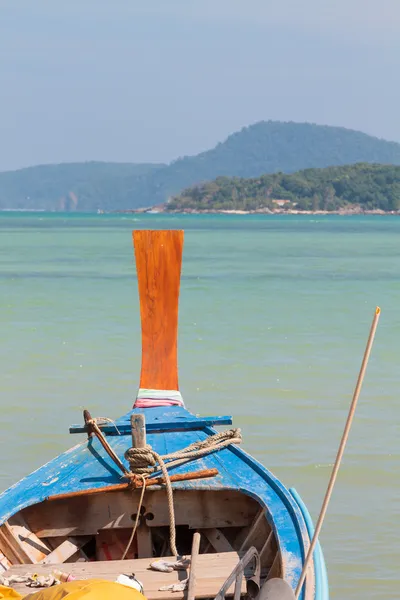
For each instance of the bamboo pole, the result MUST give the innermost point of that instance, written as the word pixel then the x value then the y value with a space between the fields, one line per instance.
pixel 341 449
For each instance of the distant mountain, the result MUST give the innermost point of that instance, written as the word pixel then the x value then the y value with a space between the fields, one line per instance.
pixel 72 186
pixel 265 147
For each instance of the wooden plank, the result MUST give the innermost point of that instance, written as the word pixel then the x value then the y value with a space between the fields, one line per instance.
pixel 65 550
pixel 12 547
pixel 10 557
pixel 111 545
pixel 217 540
pixel 247 542
pixel 275 570
pixel 268 551
pixel 35 548
pixel 189 424
pixel 158 264
pixel 144 541
pixel 88 515
pixel 255 535
pixel 211 572
pixel 4 563
pixel 191 588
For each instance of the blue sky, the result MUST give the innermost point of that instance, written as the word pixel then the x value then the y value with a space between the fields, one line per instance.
pixel 152 80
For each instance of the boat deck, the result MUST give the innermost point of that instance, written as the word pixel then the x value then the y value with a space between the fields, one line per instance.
pixel 212 570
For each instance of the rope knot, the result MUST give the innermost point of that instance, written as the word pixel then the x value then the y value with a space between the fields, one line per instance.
pixel 145 461
pixel 142 461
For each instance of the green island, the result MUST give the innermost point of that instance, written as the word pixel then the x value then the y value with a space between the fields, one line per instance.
pixel 265 147
pixel 350 189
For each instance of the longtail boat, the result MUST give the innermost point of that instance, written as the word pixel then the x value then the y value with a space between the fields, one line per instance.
pixel 158 493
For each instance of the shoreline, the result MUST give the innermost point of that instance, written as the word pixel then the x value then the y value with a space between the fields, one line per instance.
pixel 192 211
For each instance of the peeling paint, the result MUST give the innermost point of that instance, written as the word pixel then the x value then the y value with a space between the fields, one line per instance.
pixel 51 481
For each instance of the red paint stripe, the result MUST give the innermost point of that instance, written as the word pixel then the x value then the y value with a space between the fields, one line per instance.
pixel 106 551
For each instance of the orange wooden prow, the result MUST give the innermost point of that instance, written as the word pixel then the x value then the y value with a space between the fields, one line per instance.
pixel 158 263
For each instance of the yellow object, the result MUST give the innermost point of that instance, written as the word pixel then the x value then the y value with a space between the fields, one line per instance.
pixel 7 593
pixel 87 589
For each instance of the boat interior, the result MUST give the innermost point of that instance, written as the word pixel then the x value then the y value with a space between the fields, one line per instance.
pixel 88 535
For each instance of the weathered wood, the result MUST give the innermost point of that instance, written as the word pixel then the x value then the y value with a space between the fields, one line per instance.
pixel 54 542
pixel 118 487
pixel 4 563
pixel 88 515
pixel 191 588
pixel 32 545
pixel 217 540
pixel 255 526
pixel 158 264
pixel 211 572
pixel 275 570
pixel 268 551
pixel 144 541
pixel 138 428
pixel 35 548
pixel 12 547
pixel 65 550
pixel 111 545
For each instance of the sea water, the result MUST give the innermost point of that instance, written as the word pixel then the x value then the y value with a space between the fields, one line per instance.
pixel 274 316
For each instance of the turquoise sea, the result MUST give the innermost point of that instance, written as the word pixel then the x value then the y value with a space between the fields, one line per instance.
pixel 274 316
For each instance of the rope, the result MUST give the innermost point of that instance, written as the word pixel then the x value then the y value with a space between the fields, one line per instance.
pixel 168 486
pixel 172 532
pixel 103 420
pixel 137 518
pixel 143 462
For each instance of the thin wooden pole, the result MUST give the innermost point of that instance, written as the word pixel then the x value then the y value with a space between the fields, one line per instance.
pixel 341 449
pixel 191 592
pixel 93 428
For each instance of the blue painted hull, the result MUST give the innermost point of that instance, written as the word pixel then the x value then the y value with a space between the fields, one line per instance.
pixel 169 429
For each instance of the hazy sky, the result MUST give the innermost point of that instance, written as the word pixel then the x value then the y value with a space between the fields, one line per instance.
pixel 152 80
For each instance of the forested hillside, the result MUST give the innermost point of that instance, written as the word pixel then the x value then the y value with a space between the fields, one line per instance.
pixel 367 186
